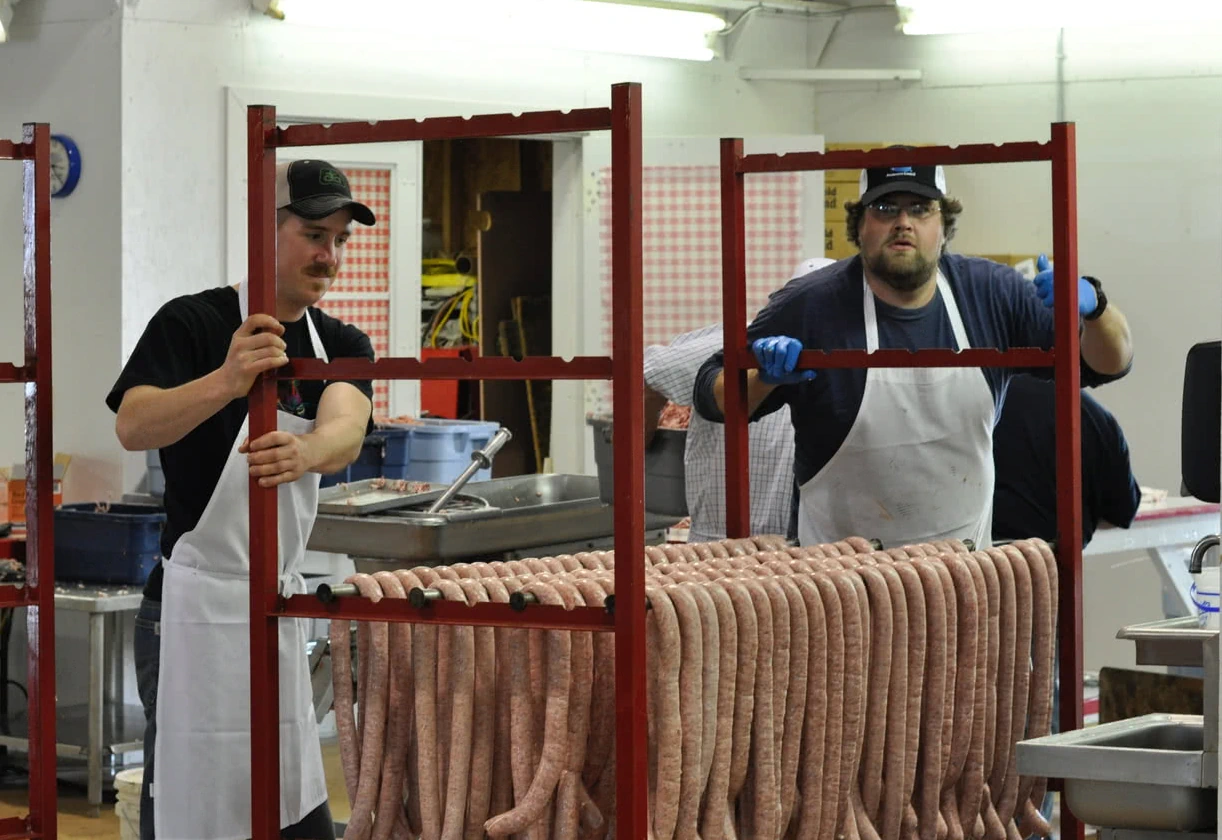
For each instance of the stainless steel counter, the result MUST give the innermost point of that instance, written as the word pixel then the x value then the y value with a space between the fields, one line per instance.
pixel 103 728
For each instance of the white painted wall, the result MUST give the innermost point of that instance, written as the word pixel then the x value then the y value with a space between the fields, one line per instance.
pixel 149 219
pixel 1149 159
pixel 59 50
pixel 141 85
pixel 62 66
pixel 177 63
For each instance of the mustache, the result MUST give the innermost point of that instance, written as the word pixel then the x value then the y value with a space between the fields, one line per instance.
pixel 322 271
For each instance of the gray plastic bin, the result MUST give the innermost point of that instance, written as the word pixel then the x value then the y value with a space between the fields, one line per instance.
pixel 665 486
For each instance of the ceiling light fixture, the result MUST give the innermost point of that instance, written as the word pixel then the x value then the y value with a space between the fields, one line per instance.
pixel 523 24
pixel 941 17
pixel 6 18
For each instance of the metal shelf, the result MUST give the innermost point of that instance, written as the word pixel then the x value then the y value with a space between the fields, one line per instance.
pixel 625 368
pixel 479 367
pixel 443 128
pixel 1063 358
pixel 38 594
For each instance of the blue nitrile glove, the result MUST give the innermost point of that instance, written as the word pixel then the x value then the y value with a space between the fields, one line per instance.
pixel 778 356
pixel 1088 301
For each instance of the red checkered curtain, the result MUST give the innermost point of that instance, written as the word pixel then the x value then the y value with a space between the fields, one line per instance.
pixel 361 293
pixel 682 250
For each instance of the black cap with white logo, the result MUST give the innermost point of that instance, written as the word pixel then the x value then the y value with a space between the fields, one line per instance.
pixel 314 189
pixel 925 181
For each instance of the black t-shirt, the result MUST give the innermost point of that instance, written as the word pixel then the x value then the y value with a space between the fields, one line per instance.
pixel 1024 454
pixel 189 338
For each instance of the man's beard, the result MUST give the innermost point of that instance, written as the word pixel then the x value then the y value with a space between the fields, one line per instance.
pixel 903 275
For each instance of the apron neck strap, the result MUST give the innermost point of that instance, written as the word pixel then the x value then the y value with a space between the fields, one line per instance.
pixel 320 352
pixel 948 300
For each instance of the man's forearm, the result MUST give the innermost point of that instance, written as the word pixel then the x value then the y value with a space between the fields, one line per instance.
pixel 154 418
pixel 1107 345
pixel 339 430
pixel 757 391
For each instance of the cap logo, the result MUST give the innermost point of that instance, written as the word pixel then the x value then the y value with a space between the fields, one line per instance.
pixel 899 171
pixel 331 178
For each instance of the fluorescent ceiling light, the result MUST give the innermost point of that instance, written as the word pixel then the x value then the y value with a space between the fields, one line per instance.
pixel 6 17
pixel 520 24
pixel 938 17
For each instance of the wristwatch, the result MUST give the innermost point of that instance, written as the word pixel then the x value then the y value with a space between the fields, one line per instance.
pixel 1100 297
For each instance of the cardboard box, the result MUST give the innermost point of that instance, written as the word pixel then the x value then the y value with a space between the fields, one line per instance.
pixel 1023 263
pixel 834 197
pixel 836 244
pixel 17 488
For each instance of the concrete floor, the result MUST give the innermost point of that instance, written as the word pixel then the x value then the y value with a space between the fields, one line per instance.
pixel 74 811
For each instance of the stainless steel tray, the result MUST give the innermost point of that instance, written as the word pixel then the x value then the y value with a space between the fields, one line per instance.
pixel 379 495
pixel 521 512
pixel 1171 641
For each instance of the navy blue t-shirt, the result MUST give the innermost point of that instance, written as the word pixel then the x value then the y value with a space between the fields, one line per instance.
pixel 824 310
pixel 1024 454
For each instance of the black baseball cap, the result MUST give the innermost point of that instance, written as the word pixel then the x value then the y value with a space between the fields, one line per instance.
pixel 925 181
pixel 314 189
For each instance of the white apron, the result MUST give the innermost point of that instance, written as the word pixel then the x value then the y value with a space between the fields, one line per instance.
pixel 202 761
pixel 917 464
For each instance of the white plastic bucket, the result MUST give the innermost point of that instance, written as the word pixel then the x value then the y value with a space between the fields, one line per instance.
pixel 1205 596
pixel 127 802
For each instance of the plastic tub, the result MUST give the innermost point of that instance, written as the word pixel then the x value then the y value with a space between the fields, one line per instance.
pixel 665 477
pixel 120 545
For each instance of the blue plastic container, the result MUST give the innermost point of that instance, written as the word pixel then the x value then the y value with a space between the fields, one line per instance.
pixel 118 546
pixel 439 450
pixel 383 455
pixel 431 449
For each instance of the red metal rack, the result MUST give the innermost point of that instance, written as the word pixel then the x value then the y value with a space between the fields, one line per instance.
pixel 37 596
pixel 625 368
pixel 1061 153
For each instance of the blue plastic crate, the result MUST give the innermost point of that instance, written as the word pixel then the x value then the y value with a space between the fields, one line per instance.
pixel 120 545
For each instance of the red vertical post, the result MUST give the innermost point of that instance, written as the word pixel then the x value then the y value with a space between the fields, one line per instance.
pixel 1068 436
pixel 734 309
pixel 40 477
pixel 264 568
pixel 628 372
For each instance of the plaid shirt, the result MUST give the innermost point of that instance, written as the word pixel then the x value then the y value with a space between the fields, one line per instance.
pixel 671 371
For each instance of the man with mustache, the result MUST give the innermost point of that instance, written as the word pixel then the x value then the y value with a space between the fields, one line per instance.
pixel 904 455
pixel 184 392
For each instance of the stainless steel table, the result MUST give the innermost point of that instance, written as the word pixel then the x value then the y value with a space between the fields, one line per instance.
pixel 104 727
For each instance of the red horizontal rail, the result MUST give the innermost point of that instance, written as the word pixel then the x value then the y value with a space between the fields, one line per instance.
pixel 13 827
pixel 12 596
pixel 924 156
pixel 15 151
pixel 10 372
pixel 449 612
pixel 485 367
pixel 444 128
pixel 978 357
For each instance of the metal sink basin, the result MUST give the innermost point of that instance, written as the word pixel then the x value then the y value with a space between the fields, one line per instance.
pixel 1149 772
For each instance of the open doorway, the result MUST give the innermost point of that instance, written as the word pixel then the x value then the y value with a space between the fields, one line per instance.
pixel 486 283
